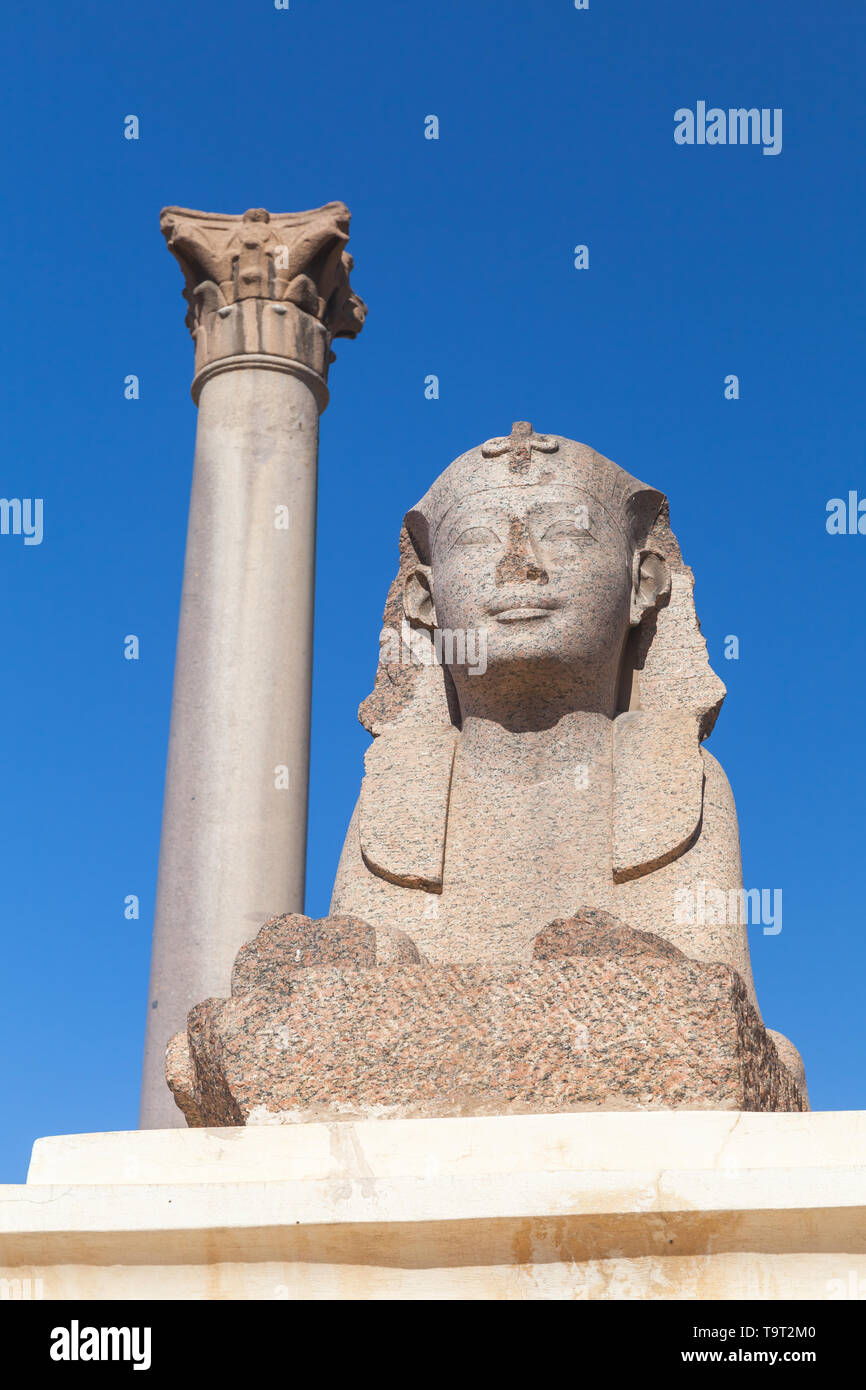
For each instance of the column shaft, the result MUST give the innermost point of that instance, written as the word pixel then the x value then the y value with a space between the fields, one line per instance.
pixel 233 837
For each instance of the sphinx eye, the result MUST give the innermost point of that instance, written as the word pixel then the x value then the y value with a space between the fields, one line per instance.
pixel 477 535
pixel 568 530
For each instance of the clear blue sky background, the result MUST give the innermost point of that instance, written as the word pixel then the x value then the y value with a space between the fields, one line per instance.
pixel 556 129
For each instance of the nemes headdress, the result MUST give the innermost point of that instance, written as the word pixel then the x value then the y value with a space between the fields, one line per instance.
pixel 670 668
pixel 526 459
pixel 669 695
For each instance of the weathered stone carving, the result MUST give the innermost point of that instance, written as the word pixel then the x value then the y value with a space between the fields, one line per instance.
pixel 275 284
pixel 573 762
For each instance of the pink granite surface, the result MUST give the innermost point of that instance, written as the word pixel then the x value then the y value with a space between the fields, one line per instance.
pixel 318 1027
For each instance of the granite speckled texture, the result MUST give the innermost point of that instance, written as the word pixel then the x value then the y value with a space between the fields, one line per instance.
pixel 592 932
pixel 293 942
pixel 403 838
pixel 603 1018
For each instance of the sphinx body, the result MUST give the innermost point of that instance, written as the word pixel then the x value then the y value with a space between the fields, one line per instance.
pixel 568 772
pixel 519 851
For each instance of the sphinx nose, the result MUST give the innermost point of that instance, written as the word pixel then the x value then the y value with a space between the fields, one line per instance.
pixel 519 562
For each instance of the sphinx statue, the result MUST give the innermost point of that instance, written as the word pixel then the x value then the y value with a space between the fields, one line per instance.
pixel 570 771
pixel 539 903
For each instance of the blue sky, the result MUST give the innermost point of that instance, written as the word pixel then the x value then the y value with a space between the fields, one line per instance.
pixel 556 129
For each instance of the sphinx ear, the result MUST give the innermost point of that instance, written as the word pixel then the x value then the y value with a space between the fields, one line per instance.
pixel 651 584
pixel 418 597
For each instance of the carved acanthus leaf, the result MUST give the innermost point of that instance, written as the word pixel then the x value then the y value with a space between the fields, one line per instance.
pixel 295 258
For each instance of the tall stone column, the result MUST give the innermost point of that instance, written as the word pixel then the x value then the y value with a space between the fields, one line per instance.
pixel 266 296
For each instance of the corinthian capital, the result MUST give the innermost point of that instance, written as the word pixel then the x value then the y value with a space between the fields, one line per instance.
pixel 270 286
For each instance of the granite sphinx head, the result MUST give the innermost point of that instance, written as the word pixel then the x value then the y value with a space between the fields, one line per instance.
pixel 561 568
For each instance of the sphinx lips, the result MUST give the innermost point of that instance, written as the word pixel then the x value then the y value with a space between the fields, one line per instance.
pixel 522 615
pixel 526 610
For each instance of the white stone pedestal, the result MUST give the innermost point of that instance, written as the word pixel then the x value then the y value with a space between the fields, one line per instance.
pixel 674 1205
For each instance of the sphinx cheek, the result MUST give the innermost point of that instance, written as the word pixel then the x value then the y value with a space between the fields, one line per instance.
pixel 602 610
pixel 458 590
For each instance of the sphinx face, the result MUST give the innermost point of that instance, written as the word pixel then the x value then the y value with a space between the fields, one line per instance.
pixel 544 571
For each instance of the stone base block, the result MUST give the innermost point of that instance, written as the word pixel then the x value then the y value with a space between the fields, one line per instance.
pixel 608 1206
pixel 645 1032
